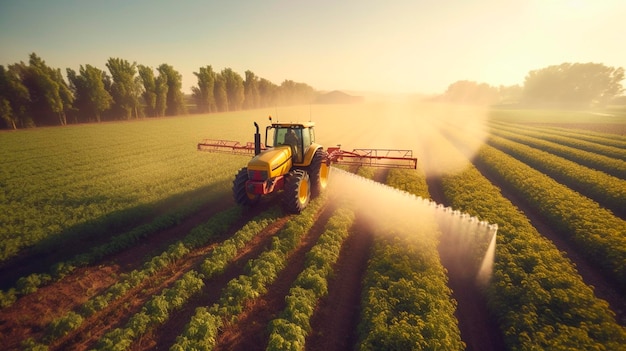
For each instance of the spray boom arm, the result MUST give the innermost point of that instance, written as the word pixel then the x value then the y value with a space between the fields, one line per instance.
pixel 384 158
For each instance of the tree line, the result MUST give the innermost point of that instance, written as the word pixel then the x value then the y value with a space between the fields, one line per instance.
pixel 568 85
pixel 35 94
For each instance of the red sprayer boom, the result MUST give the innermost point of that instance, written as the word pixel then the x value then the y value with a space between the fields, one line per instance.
pixel 227 146
pixel 385 158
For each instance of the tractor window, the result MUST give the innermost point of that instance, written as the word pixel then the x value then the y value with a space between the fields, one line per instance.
pixel 306 138
pixel 279 136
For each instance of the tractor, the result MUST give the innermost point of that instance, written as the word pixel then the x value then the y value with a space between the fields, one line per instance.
pixel 291 161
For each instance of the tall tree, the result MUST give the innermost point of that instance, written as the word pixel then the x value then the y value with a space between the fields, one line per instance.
pixel 161 89
pixel 292 93
pixel 91 96
pixel 125 86
pixel 175 101
pixel 233 84
pixel 251 91
pixel 268 93
pixel 50 97
pixel 468 92
pixel 574 85
pixel 219 92
pixel 204 92
pixel 149 94
pixel 14 99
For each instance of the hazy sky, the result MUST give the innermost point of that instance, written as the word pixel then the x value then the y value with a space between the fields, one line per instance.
pixel 390 46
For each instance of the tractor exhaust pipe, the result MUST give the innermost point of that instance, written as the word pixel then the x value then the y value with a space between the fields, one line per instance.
pixel 257 140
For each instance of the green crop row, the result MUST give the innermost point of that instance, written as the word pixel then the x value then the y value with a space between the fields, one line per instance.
pixel 57 181
pixel 613 140
pixel 609 191
pixel 202 331
pixel 612 166
pixel 157 310
pixel 572 141
pixel 600 235
pixel 539 298
pixel 290 329
pixel 29 284
pixel 406 303
pixel 198 236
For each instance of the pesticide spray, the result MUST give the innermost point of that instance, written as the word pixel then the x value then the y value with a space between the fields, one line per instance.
pixel 469 242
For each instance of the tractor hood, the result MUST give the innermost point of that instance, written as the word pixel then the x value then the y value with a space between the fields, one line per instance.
pixel 270 163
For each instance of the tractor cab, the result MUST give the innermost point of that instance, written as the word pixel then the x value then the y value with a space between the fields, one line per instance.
pixel 299 136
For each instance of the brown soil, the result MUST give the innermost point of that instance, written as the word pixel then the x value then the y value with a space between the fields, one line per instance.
pixel 335 321
pixel 251 330
pixel 29 315
pixel 165 336
pixel 592 274
pixel 479 328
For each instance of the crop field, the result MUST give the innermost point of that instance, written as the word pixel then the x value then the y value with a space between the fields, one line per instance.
pixel 122 236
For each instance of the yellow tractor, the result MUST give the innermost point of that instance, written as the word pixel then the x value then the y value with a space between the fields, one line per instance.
pixel 291 161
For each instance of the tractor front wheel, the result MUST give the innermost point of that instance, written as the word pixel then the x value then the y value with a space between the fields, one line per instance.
pixel 240 193
pixel 297 191
pixel 319 171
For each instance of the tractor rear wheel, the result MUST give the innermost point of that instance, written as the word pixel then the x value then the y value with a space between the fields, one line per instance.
pixel 297 191
pixel 319 171
pixel 240 193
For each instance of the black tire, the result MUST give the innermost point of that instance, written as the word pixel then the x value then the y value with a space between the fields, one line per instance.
pixel 297 191
pixel 241 195
pixel 319 170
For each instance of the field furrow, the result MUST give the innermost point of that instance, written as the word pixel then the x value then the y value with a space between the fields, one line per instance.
pixel 533 283
pixel 122 236
pixel 607 190
pixel 612 166
pixel 574 141
pixel 205 326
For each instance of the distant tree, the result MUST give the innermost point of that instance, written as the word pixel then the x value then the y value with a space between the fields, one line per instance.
pixel 268 93
pixel 573 85
pixel 14 99
pixel 233 84
pixel 125 87
pixel 149 94
pixel 220 94
pixel 161 90
pixel 175 101
pixel 50 97
pixel 510 94
pixel 89 91
pixel 468 92
pixel 203 94
pixel 251 91
pixel 293 93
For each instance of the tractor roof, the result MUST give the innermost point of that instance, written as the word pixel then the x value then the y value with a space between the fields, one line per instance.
pixel 293 124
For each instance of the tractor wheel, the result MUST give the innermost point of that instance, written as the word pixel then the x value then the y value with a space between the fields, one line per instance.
pixel 319 171
pixel 242 197
pixel 297 191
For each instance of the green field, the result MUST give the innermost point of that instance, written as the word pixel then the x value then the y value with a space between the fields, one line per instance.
pixel 122 235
